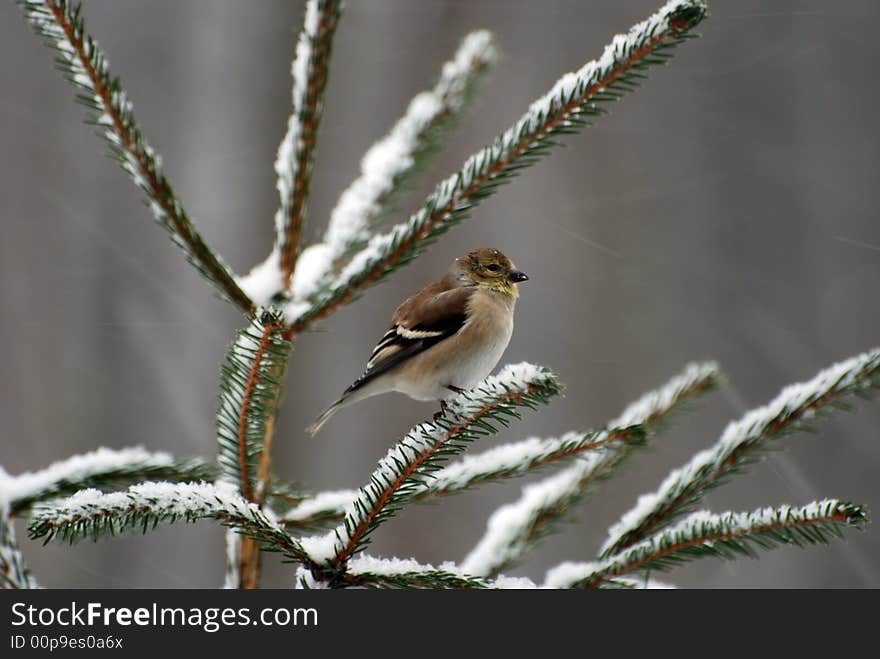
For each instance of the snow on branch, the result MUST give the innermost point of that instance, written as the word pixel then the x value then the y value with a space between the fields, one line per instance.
pixel 14 574
pixel 293 165
pixel 574 99
pixel 320 509
pixel 370 572
pixel 406 467
pixel 102 468
pixel 518 458
pixel 505 461
pixel 250 381
pixel 90 513
pixel 388 164
pixel 60 23
pixel 727 536
pixel 740 444
pixel 650 408
pixel 515 528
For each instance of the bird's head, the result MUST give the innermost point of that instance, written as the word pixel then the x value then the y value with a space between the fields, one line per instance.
pixel 490 268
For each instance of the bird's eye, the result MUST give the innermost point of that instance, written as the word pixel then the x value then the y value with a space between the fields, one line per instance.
pixel 493 267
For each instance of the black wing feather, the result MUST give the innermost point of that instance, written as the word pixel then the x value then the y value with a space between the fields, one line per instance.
pixel 407 344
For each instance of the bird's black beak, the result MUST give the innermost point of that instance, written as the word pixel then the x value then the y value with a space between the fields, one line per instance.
pixel 516 276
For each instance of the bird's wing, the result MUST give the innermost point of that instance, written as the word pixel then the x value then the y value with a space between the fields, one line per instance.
pixel 428 317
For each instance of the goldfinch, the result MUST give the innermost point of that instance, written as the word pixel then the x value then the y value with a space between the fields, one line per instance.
pixel 444 339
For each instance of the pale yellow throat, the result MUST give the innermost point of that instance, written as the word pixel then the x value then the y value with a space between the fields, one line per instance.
pixel 501 286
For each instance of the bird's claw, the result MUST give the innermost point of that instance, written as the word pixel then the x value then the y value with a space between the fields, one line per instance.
pixel 441 411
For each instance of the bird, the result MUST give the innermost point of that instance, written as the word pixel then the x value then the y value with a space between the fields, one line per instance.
pixel 446 338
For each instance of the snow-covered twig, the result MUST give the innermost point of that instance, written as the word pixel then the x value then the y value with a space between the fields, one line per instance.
pixel 293 165
pixel 60 22
pixel 740 444
pixel 628 429
pixel 519 458
pixel 516 527
pixel 727 535
pixel 319 509
pixel 565 108
pixel 101 468
pixel 386 166
pixel 370 572
pixel 404 470
pixel 513 528
pixel 90 513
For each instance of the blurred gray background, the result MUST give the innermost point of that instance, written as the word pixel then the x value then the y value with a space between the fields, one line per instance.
pixel 724 211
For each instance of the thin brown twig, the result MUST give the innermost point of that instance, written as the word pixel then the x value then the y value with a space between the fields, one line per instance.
pixel 249 552
pixel 244 411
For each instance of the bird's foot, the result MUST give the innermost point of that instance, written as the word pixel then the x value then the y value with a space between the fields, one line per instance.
pixel 457 390
pixel 441 411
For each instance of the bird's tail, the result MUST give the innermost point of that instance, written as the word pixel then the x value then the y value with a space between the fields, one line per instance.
pixel 356 392
pixel 326 414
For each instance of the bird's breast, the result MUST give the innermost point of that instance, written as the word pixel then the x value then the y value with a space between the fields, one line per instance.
pixel 482 341
pixel 465 358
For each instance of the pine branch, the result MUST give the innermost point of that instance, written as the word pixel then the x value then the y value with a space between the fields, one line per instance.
pixel 102 468
pixel 90 513
pixel 281 497
pixel 393 160
pixel 629 430
pixel 726 536
pixel 403 471
pixel 14 574
pixel 379 573
pixel 296 153
pixel 574 99
pixel 515 528
pixel 740 444
pixel 249 389
pixel 319 510
pixel 61 24
pixel 505 461
pixel 385 169
pixel 382 573
pixel 632 427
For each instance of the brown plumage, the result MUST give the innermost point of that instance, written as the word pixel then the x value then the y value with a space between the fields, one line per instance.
pixel 447 337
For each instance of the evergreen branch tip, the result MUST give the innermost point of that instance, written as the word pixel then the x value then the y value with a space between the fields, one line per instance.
pixel 740 444
pixel 728 536
pixel 84 64
pixel 568 106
